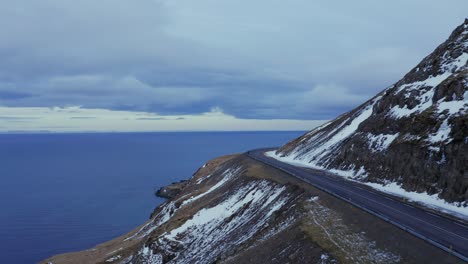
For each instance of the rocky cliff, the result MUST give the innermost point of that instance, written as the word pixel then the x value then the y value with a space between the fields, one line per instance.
pixel 414 133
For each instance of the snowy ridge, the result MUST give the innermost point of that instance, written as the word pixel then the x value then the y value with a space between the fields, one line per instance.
pixel 414 133
pixel 198 239
pixel 320 146
pixel 228 175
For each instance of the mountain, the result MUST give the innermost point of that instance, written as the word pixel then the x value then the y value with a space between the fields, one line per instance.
pixel 413 134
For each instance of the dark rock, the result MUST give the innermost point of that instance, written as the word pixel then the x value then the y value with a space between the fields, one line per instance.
pixel 171 190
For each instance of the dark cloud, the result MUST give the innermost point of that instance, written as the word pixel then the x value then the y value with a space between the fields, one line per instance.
pixel 11 95
pixel 16 118
pixel 159 118
pixel 83 117
pixel 295 59
pixel 151 118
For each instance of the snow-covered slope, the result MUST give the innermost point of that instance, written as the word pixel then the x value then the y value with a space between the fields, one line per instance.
pixel 413 134
pixel 226 216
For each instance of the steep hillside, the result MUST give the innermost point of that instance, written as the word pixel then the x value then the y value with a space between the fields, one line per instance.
pixel 413 135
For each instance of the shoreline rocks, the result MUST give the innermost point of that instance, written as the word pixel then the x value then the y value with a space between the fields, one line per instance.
pixel 172 190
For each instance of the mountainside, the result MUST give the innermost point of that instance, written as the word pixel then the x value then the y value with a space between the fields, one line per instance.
pixel 237 210
pixel 413 134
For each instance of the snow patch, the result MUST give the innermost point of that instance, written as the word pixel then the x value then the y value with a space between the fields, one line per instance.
pixel 248 208
pixel 113 252
pixel 227 176
pixel 453 107
pixel 379 143
pixel 148 256
pixel 222 210
pixel 410 137
pixel 313 199
pixel 424 99
pixel 115 258
pixel 202 179
pixel 432 81
pixel 324 259
pixel 458 63
pixel 442 135
pixel 349 173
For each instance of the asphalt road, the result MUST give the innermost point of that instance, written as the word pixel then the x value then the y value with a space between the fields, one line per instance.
pixel 449 235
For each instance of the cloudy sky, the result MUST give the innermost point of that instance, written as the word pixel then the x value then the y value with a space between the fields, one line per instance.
pixel 249 63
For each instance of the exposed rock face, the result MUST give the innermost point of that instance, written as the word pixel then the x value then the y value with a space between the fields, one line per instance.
pixel 414 133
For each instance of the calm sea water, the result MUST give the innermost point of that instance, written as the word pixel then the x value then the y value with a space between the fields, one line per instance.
pixel 69 192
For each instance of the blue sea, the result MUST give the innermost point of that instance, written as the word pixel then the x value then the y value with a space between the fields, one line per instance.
pixel 69 192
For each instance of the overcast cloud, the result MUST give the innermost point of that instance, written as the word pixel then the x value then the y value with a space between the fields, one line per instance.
pixel 262 59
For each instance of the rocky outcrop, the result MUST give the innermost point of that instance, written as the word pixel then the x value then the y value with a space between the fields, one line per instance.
pixel 172 190
pixel 414 133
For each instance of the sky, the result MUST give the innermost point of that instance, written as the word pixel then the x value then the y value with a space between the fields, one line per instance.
pixel 210 64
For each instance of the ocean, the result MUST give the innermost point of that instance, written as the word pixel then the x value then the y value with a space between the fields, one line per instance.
pixel 69 192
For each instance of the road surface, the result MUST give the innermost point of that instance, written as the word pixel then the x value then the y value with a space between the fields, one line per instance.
pixel 445 233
